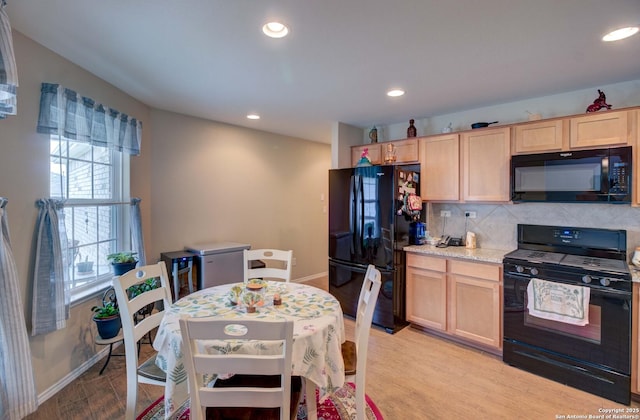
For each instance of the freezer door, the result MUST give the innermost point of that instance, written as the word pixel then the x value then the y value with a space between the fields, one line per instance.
pixel 345 283
pixel 361 215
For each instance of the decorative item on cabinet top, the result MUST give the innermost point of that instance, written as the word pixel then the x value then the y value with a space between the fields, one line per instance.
pixel 411 131
pixel 599 103
pixel 373 135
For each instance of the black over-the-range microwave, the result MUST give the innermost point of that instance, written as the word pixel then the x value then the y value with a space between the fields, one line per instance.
pixel 585 176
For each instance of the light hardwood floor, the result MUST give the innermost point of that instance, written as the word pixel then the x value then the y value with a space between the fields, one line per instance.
pixel 410 375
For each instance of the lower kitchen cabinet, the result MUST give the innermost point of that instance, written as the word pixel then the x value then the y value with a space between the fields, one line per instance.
pixel 426 302
pixel 461 299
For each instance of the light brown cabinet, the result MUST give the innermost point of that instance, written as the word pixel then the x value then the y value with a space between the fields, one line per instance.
pixel 460 299
pixel 596 130
pixel 373 152
pixel 636 156
pixel 440 162
pixel 544 136
pixel 486 154
pixel 475 302
pixel 406 151
pixel 426 302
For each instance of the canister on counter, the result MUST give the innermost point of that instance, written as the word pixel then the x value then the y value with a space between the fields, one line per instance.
pixel 470 241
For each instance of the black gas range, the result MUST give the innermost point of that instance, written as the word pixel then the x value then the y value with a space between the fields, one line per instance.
pixel 595 357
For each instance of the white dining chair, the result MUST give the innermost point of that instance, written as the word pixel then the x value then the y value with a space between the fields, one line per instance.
pixel 354 352
pixel 134 327
pixel 269 256
pixel 237 394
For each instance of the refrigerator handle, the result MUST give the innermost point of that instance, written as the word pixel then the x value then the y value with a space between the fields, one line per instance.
pixel 361 238
pixel 352 211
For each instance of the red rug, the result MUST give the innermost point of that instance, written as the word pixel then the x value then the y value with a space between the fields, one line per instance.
pixel 340 406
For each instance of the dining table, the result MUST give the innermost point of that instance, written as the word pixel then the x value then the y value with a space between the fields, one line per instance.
pixel 317 337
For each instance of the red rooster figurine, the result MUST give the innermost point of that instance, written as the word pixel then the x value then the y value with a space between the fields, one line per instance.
pixel 599 103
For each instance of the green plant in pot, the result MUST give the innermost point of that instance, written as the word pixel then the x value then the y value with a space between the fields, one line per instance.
pixel 139 288
pixel 107 319
pixel 122 262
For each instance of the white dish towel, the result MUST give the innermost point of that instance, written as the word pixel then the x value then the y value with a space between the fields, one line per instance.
pixel 558 302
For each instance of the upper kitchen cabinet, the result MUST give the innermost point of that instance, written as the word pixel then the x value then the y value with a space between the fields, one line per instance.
pixel 599 129
pixel 373 150
pixel 538 137
pixel 405 151
pixel 486 154
pixel 636 155
pixel 440 164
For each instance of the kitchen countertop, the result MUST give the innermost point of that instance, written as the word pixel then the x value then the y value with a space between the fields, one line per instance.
pixel 477 254
pixel 481 255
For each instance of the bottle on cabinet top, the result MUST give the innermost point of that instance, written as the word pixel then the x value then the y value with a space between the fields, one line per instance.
pixel 411 131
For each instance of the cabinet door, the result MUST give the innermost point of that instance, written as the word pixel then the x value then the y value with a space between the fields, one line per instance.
pixel 427 298
pixel 636 144
pixel 440 166
pixel 485 164
pixel 374 153
pixel 475 310
pixel 543 136
pixel 595 130
pixel 405 150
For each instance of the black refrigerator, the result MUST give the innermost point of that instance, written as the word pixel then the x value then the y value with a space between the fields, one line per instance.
pixel 369 223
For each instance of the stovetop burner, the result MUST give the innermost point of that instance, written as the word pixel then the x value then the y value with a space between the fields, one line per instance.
pixel 593 263
pixel 560 251
pixel 586 263
pixel 536 256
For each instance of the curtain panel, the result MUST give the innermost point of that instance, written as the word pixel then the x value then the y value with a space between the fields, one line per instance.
pixel 51 294
pixel 136 231
pixel 8 71
pixel 65 113
pixel 18 396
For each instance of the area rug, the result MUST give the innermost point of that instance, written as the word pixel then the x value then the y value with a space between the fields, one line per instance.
pixel 340 406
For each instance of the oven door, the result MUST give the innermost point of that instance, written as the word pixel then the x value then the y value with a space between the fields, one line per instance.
pixel 605 341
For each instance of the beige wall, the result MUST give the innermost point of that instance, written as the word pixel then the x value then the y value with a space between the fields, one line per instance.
pixel 24 178
pixel 214 182
pixel 198 180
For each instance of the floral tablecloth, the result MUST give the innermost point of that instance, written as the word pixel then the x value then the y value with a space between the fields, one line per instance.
pixel 317 336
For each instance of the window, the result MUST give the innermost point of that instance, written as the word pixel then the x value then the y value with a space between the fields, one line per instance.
pixel 90 180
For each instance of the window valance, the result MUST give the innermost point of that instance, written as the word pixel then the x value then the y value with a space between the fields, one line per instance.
pixel 64 112
pixel 8 72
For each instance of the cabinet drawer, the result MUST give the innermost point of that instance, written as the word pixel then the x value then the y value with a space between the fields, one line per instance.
pixel 428 263
pixel 474 269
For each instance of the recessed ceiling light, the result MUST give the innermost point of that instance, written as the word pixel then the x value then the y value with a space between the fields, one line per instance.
pixel 621 33
pixel 395 92
pixel 275 29
pixel 253 116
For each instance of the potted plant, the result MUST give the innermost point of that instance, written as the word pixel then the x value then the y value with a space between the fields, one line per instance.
pixel 139 288
pixel 122 262
pixel 107 319
pixel 85 266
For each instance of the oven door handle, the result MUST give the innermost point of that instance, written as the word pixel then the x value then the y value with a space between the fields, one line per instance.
pixel 594 290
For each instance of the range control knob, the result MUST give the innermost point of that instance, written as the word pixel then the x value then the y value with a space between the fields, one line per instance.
pixel 534 271
pixel 586 279
pixel 519 269
pixel 605 281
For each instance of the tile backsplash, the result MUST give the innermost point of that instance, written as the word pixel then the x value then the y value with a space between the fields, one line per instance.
pixel 495 224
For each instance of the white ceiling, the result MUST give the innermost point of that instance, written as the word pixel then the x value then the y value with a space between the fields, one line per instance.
pixel 209 58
